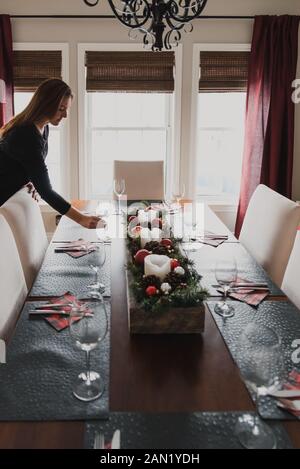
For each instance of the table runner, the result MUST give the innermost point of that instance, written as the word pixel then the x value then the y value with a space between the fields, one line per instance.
pixel 61 273
pixel 284 318
pixel 42 365
pixel 175 431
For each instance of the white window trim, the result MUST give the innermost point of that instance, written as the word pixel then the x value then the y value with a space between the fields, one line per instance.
pixel 65 158
pixel 173 168
pixel 196 73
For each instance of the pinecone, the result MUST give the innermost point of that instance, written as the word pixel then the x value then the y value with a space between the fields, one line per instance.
pixel 151 245
pixel 150 280
pixel 134 247
pixel 162 250
pixel 173 279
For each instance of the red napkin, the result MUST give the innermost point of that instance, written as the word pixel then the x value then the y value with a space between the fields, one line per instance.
pixel 249 295
pixel 60 322
pixel 293 383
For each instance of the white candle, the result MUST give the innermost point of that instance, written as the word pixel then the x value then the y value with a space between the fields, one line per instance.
pixel 158 265
pixel 145 234
pixel 143 217
pixel 156 234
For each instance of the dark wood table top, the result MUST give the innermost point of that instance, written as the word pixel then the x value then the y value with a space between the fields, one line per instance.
pixel 151 374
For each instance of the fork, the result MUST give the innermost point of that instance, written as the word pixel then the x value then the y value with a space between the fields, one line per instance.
pixel 99 441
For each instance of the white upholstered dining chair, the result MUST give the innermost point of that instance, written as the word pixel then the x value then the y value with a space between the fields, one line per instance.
pixel 144 180
pixel 269 230
pixel 13 288
pixel 290 284
pixel 25 220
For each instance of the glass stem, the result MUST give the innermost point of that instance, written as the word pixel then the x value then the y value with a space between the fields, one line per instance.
pixel 88 367
pixel 225 289
pixel 119 205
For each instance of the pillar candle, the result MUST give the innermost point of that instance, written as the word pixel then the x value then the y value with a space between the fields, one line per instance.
pixel 158 265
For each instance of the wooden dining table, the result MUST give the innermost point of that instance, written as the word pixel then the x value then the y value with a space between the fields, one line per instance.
pixel 152 373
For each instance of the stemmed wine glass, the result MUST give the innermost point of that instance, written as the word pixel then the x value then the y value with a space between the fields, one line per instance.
pixel 178 193
pixel 226 275
pixel 261 362
pixel 98 288
pixel 119 189
pixel 88 327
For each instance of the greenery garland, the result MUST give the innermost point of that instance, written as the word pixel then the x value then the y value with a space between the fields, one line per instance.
pixel 186 294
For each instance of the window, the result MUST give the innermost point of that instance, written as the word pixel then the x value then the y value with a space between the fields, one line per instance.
pixel 220 130
pixel 220 140
pixel 34 63
pixel 125 126
pixel 129 112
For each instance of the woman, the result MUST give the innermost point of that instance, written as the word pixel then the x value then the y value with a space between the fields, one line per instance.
pixel 24 147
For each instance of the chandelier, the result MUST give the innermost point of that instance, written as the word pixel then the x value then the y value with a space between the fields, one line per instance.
pixel 161 22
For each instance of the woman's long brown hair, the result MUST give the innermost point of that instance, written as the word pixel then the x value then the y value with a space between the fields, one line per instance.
pixel 43 104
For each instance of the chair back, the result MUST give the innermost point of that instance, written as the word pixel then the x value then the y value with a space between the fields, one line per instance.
pixel 269 230
pixel 13 288
pixel 144 180
pixel 25 220
pixel 290 284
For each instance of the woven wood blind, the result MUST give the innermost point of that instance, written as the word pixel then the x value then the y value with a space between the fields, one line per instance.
pixel 223 71
pixel 32 67
pixel 130 71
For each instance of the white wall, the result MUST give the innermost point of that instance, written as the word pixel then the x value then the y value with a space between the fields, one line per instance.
pixel 74 31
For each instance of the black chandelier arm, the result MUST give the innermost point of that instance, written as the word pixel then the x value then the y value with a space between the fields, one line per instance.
pixel 176 26
pixel 130 12
pixel 192 6
pixel 91 4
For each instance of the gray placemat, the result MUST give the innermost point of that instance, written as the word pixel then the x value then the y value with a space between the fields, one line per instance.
pixel 176 431
pixel 61 273
pixel 281 316
pixel 42 365
pixel 206 257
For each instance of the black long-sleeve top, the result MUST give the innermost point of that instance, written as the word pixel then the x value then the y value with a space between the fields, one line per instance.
pixel 22 159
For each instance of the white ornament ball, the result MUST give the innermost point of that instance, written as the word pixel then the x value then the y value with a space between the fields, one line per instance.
pixel 165 288
pixel 179 270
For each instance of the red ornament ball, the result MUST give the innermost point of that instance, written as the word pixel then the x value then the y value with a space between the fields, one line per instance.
pixel 140 256
pixel 151 290
pixel 166 242
pixel 174 263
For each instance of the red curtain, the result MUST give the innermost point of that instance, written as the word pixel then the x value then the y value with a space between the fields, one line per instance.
pixel 269 126
pixel 6 70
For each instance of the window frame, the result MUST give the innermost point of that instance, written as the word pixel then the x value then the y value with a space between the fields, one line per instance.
pixel 196 73
pixel 173 163
pixel 65 162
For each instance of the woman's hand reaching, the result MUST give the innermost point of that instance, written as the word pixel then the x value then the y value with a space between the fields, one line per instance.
pixel 92 221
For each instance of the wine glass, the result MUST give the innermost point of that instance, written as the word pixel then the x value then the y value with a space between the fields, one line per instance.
pixel 88 327
pixel 226 275
pixel 178 193
pixel 261 363
pixel 119 189
pixel 97 288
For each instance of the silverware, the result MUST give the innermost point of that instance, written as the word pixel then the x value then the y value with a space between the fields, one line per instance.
pixel 99 441
pixel 285 393
pixel 291 405
pixel 53 305
pixel 39 312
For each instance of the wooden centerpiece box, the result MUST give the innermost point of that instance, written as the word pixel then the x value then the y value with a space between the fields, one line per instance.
pixel 164 294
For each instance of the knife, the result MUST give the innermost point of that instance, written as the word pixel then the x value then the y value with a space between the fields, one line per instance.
pixel 285 393
pixel 116 440
pixel 39 312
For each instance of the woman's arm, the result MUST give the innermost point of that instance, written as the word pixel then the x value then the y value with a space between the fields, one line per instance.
pixel 88 221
